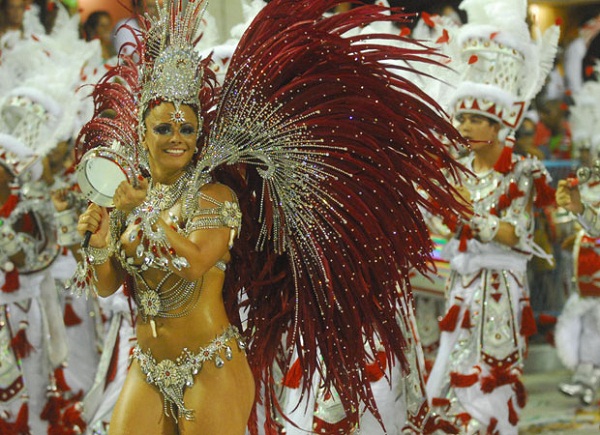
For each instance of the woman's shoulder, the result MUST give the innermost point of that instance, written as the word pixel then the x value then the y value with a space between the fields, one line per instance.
pixel 217 191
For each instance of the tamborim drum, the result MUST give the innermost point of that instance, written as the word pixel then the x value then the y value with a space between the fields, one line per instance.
pixel 100 172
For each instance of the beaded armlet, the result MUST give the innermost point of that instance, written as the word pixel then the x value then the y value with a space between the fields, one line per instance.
pixel 226 214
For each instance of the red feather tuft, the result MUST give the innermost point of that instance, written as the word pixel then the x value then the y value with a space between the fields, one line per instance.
pixel 544 193
pixel 6 427
pixel 444 38
pixel 589 71
pixel 466 322
pixel 9 205
pixel 435 424
pixel 504 164
pixel 459 380
pixel 21 425
pixel 73 419
pixel 528 326
pixel 376 369
pixel 514 192
pixel 463 418
pixel 20 344
pixel 498 377
pixel 521 393
pixel 52 409
pixel 491 430
pixel 450 320
pixel 61 382
pixel 427 19
pixel 293 376
pixel 513 416
pixel 504 202
pixel 440 402
pixel 466 234
pixel 11 281
pixel 70 317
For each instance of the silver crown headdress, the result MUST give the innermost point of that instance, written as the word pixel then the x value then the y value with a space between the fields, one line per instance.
pixel 503 68
pixel 170 67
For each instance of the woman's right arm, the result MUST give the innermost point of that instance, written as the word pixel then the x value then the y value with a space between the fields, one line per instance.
pixel 109 274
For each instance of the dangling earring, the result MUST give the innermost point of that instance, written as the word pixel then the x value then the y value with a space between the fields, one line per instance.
pixel 143 158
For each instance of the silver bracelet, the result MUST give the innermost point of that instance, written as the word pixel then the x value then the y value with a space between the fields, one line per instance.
pixel 98 256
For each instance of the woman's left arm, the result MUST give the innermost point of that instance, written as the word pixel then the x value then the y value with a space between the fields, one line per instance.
pixel 204 247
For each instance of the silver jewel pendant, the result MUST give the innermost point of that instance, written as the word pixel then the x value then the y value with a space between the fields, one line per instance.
pixel 219 362
pixel 241 344
pixel 228 353
pixel 180 263
pixel 139 251
pixel 149 259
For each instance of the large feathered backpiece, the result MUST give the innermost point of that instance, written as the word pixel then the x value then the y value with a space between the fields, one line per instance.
pixel 328 148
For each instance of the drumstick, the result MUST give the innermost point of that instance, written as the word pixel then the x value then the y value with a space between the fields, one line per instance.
pixel 86 239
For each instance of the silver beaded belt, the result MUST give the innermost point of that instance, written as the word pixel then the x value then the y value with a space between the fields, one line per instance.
pixel 171 377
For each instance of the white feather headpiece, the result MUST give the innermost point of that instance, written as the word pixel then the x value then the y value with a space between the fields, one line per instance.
pixel 502 66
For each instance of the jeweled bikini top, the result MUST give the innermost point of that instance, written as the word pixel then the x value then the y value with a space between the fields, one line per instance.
pixel 171 296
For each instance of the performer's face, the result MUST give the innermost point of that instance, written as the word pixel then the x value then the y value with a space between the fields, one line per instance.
pixel 478 130
pixel 170 138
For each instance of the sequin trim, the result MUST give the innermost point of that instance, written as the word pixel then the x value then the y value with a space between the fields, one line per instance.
pixel 171 377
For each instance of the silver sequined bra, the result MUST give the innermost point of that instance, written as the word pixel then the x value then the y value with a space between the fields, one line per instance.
pixel 172 377
pixel 172 298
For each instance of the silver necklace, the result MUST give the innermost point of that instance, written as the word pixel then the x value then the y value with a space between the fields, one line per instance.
pixel 164 196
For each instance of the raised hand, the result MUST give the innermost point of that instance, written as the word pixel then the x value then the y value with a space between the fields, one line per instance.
pixel 569 197
pixel 95 220
pixel 128 197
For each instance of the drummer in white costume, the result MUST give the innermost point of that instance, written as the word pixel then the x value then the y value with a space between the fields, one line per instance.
pixel 476 379
pixel 577 334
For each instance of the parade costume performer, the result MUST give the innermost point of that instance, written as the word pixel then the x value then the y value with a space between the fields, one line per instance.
pixel 33 337
pixel 578 326
pixel 41 109
pixel 323 143
pixel 476 378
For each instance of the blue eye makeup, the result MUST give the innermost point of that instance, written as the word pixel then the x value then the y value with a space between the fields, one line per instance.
pixel 163 129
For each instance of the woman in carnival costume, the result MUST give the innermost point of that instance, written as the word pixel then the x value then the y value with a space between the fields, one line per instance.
pixel 476 378
pixel 319 141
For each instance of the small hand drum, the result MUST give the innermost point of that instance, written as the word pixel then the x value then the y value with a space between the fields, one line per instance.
pixel 100 172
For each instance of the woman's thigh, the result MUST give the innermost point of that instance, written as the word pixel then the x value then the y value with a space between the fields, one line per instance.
pixel 221 399
pixel 139 409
